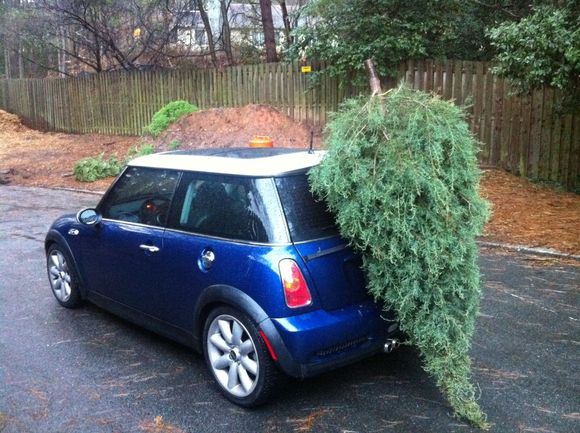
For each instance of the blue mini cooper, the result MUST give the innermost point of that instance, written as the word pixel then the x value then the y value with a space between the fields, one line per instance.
pixel 226 251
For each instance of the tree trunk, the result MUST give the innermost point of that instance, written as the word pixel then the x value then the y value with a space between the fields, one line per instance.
pixel 269 35
pixel 208 31
pixel 286 20
pixel 62 55
pixel 226 33
pixel 374 81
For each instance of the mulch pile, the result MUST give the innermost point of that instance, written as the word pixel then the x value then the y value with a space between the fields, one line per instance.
pixel 10 123
pixel 235 127
pixel 529 214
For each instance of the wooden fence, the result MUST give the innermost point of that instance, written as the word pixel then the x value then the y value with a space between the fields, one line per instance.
pixel 525 135
pixel 123 103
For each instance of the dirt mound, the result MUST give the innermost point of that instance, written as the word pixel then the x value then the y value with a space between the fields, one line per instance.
pixel 235 127
pixel 10 123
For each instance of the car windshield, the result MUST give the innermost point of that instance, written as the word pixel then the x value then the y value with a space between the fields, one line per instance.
pixel 307 217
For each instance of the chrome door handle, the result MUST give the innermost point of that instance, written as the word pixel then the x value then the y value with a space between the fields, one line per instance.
pixel 150 248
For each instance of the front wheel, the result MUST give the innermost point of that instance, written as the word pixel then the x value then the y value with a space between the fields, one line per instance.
pixel 238 358
pixel 63 277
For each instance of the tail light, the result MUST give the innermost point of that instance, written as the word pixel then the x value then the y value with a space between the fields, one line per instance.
pixel 295 288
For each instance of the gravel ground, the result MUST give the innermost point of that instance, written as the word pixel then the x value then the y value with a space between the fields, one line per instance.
pixel 88 371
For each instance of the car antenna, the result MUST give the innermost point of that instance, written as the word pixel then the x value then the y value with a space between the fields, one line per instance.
pixel 310 150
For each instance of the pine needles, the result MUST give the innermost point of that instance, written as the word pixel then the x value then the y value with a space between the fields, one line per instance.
pixel 401 176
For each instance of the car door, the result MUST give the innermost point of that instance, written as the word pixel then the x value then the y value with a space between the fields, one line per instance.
pixel 122 254
pixel 220 229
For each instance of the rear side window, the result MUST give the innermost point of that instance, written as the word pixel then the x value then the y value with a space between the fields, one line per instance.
pixel 229 207
pixel 141 195
pixel 307 217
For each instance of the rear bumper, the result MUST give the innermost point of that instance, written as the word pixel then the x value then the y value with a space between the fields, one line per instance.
pixel 318 341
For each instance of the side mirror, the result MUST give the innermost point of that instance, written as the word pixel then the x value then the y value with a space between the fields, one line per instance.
pixel 89 217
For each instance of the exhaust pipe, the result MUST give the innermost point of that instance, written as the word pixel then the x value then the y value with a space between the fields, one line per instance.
pixel 391 344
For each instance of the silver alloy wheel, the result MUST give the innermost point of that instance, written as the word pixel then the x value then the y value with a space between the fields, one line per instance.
pixel 59 275
pixel 232 355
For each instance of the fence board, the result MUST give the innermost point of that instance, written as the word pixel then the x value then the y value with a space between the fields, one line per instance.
pixel 565 145
pixel 497 118
pixel 573 173
pixel 504 133
pixel 515 138
pixel 526 120
pixel 556 141
pixel 535 133
pixel 420 75
pixel 546 135
pixel 486 137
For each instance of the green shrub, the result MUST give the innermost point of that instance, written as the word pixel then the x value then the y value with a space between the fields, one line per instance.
pixel 137 151
pixel 94 168
pixel 97 167
pixel 167 115
pixel 401 176
pixel 174 144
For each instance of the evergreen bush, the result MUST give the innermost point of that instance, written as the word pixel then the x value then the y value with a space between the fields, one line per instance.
pixel 95 168
pixel 167 115
pixel 402 178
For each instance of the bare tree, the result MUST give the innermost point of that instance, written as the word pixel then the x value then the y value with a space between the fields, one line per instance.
pixel 269 34
pixel 208 31
pixel 11 38
pixel 286 21
pixel 226 36
pixel 103 35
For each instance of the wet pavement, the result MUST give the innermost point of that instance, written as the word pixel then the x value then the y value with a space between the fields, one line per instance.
pixel 87 371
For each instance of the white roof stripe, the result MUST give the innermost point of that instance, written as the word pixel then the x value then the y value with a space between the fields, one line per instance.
pixel 263 167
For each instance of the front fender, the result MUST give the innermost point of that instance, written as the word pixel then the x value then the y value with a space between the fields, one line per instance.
pixel 55 237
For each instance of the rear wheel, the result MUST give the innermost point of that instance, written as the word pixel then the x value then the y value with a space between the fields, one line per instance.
pixel 238 357
pixel 63 277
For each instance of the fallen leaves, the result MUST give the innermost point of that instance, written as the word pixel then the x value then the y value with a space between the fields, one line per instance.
pixel 158 425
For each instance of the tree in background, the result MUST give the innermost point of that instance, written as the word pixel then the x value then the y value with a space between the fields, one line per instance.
pixel 110 34
pixel 15 45
pixel 291 19
pixel 542 49
pixel 200 6
pixel 474 18
pixel 95 35
pixel 268 26
pixel 346 32
pixel 79 36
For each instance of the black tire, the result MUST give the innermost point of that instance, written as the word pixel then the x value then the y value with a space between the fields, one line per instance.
pixel 63 277
pixel 264 383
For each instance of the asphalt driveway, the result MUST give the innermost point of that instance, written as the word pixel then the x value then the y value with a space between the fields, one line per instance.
pixel 88 371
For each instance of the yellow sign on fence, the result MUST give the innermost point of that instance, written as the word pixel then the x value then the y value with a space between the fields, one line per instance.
pixel 305 69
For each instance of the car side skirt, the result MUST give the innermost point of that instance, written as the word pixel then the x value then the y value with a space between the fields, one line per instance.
pixel 146 321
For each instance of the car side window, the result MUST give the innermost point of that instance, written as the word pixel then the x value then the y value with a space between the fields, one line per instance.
pixel 141 195
pixel 226 207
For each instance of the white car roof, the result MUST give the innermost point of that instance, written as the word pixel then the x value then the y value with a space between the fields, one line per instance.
pixel 259 162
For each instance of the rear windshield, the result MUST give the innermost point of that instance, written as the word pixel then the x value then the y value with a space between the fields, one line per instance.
pixel 307 217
